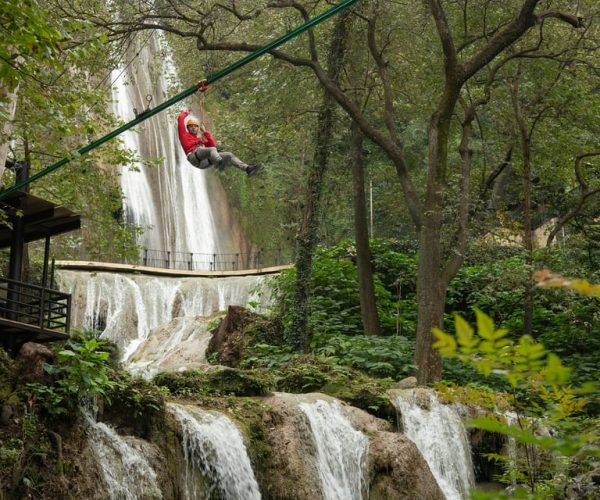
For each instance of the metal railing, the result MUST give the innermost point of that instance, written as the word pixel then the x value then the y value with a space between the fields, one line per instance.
pixel 194 261
pixel 34 305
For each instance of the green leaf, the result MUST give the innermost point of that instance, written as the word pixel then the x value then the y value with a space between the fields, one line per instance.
pixel 464 333
pixel 485 325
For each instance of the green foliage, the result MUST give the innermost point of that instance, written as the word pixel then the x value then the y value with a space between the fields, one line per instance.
pixel 32 42
pixel 267 356
pixel 224 382
pixel 497 287
pixel 313 374
pixel 489 350
pixel 375 356
pixel 10 452
pixel 135 396
pixel 81 374
pixel 335 300
pixel 540 394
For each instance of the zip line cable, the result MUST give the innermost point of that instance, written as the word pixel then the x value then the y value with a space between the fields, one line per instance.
pixel 201 85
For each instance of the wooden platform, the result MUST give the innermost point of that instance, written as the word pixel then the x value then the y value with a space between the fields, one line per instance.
pixel 157 271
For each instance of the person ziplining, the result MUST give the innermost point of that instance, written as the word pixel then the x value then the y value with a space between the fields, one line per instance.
pixel 200 86
pixel 201 149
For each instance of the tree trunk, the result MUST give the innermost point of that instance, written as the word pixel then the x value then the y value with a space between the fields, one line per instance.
pixel 9 109
pixel 298 334
pixel 368 305
pixel 431 282
pixel 525 139
pixel 431 295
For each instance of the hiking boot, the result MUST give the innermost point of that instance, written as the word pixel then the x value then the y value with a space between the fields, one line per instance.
pixel 253 169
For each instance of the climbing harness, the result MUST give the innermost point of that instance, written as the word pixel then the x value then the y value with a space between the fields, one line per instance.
pixel 202 86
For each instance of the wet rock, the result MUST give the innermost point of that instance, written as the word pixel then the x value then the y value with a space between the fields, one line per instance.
pixel 29 364
pixel 406 383
pixel 395 467
pixel 398 470
pixel 178 345
pixel 293 470
pixel 230 338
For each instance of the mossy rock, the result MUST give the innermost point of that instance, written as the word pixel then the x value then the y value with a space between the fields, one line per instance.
pixel 226 381
pixel 135 403
pixel 239 330
pixel 302 379
pixel 310 374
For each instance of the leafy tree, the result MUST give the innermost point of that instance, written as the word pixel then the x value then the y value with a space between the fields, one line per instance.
pixel 29 42
pixel 62 67
pixel 421 116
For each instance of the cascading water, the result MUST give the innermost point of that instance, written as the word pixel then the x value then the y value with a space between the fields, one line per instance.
pixel 128 309
pixel 440 436
pixel 125 471
pixel 341 451
pixel 214 449
pixel 171 201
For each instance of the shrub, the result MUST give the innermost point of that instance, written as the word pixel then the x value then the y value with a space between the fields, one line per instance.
pixel 80 374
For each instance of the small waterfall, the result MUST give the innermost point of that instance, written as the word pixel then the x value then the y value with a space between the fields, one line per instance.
pixel 214 448
pixel 126 473
pixel 171 201
pixel 127 308
pixel 440 436
pixel 341 451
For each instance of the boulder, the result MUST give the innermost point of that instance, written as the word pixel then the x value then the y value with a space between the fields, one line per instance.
pixel 395 467
pixel 229 340
pixel 29 364
pixel 398 470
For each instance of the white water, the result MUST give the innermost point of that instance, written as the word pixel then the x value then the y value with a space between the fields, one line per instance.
pixel 125 471
pixel 341 451
pixel 183 209
pixel 131 309
pixel 441 438
pixel 214 448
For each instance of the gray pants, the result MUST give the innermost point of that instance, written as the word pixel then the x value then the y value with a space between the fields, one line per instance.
pixel 206 157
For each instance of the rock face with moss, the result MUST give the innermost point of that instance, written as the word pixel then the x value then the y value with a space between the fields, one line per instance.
pixel 284 438
pixel 232 336
pixel 394 468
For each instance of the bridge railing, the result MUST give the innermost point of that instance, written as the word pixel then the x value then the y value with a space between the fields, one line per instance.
pixel 196 261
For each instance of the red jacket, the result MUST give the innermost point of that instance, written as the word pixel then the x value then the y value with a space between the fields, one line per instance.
pixel 189 142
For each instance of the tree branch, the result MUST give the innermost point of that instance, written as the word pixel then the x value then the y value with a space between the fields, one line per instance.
pixel 585 195
pixel 575 21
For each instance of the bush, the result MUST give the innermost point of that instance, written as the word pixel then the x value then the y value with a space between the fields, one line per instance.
pixel 375 356
pixel 81 374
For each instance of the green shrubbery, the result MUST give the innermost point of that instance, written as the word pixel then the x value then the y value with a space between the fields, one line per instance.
pixel 493 279
pixel 80 375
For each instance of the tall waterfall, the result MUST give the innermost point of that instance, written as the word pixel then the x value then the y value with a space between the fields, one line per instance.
pixel 440 436
pixel 182 209
pixel 125 470
pixel 341 451
pixel 214 449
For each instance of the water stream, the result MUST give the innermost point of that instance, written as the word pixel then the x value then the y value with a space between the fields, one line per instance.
pixel 124 468
pixel 341 451
pixel 441 437
pixel 136 310
pixel 214 449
